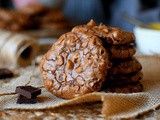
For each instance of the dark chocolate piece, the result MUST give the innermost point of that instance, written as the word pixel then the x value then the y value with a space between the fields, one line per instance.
pixel 5 73
pixel 28 91
pixel 23 100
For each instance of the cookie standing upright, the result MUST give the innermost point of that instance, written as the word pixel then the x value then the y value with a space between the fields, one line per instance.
pixel 75 65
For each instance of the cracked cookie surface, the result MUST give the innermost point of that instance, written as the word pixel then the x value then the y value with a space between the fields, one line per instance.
pixel 109 35
pixel 75 65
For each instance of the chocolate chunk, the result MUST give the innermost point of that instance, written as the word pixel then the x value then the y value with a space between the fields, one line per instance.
pixel 5 73
pixel 28 91
pixel 24 100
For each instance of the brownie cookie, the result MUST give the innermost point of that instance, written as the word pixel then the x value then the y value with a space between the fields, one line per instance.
pixel 120 52
pixel 124 79
pixel 125 66
pixel 12 16
pixel 132 88
pixel 107 34
pixel 33 9
pixel 52 16
pixel 55 26
pixel 3 25
pixel 11 20
pixel 75 65
pixel 7 15
pixel 14 26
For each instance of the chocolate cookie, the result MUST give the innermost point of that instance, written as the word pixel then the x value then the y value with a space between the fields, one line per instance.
pixel 14 26
pixel 33 9
pixel 75 65
pixel 125 66
pixel 11 20
pixel 12 16
pixel 52 16
pixel 55 26
pixel 138 87
pixel 121 52
pixel 124 79
pixel 7 15
pixel 107 34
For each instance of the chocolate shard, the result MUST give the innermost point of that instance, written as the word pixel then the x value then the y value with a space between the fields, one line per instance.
pixel 28 91
pixel 23 100
pixel 5 73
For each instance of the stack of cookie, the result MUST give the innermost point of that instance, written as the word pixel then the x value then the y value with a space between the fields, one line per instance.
pixel 33 17
pixel 91 58
pixel 125 74
pixel 44 17
pixel 11 20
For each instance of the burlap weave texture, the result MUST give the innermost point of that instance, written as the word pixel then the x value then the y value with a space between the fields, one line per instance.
pixel 114 106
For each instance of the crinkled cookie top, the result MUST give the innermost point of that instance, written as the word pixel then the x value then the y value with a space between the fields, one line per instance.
pixel 75 65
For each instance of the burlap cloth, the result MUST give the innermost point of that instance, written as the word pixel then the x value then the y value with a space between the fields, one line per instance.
pixel 115 106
